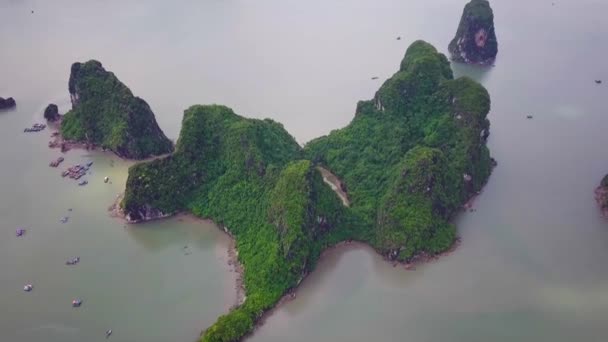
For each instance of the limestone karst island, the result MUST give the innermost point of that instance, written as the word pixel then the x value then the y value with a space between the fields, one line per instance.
pixel 332 171
pixel 105 113
pixel 410 158
pixel 475 41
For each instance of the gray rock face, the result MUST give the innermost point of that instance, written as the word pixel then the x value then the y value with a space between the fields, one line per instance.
pixel 51 113
pixel 7 103
pixel 475 41
pixel 145 213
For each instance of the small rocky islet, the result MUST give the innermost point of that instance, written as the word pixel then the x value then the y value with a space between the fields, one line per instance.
pixel 7 103
pixel 475 41
pixel 601 196
pixel 51 113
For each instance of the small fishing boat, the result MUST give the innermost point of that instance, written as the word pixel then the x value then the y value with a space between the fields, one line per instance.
pixel 20 232
pixel 108 333
pixel 28 288
pixel 73 261
pixel 83 183
pixel 106 179
pixel 89 164
pixel 64 219
pixel 598 81
pixel 76 303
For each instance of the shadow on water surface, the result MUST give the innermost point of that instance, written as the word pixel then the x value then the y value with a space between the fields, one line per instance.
pixel 478 73
pixel 181 231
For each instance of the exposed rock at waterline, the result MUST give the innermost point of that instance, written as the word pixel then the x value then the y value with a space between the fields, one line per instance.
pixel 51 113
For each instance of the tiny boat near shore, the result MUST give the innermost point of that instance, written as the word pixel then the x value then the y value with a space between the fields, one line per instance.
pixel 56 162
pixel 35 128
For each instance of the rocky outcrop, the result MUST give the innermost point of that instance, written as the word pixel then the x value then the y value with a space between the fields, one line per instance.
pixel 145 213
pixel 105 113
pixel 475 41
pixel 7 103
pixel 601 196
pixel 51 113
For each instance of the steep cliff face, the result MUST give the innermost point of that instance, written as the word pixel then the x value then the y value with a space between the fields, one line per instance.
pixel 475 40
pixel 105 113
pixel 409 159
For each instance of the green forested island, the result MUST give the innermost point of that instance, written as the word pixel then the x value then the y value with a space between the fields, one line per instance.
pixel 105 113
pixel 475 40
pixel 408 160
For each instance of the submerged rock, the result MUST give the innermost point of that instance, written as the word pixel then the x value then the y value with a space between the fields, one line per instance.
pixel 105 113
pixel 51 113
pixel 475 41
pixel 7 103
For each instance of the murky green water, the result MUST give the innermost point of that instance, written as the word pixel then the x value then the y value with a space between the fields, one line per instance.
pixel 531 266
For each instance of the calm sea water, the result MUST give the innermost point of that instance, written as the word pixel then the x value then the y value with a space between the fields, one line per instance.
pixel 531 266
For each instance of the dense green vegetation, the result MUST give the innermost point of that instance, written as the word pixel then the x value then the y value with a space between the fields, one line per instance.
pixel 406 154
pixel 410 158
pixel 105 113
pixel 476 16
pixel 246 175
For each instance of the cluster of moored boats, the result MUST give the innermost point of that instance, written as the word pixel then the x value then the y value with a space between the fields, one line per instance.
pixel 77 171
pixel 37 127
